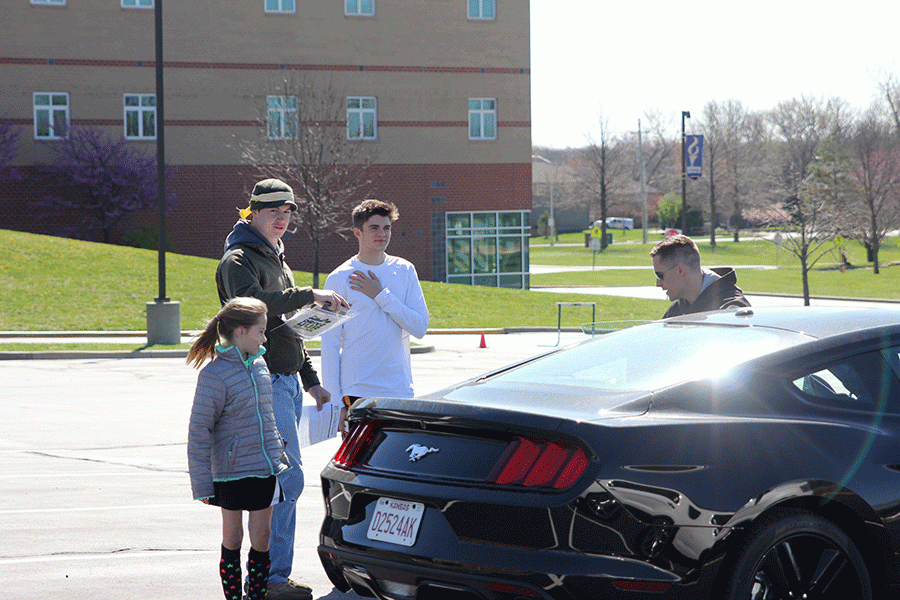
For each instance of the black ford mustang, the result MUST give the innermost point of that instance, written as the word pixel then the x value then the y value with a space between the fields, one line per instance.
pixel 727 455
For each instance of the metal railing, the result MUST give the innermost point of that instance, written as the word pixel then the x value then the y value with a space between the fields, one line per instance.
pixel 601 327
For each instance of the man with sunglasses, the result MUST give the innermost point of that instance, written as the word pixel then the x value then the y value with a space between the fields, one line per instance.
pixel 691 288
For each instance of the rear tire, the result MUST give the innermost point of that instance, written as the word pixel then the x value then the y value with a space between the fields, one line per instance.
pixel 798 554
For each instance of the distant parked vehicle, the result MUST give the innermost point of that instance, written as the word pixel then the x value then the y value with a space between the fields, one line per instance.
pixel 617 223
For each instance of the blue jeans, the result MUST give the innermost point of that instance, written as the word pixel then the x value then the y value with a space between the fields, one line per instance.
pixel 287 403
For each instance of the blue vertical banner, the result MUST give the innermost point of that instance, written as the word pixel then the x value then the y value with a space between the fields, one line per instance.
pixel 693 156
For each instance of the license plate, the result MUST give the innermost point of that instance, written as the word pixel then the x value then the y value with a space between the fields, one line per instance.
pixel 396 521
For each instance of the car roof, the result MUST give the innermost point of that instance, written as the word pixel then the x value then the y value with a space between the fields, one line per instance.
pixel 818 322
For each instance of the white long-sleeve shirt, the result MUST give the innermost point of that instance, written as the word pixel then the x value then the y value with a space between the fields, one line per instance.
pixel 369 354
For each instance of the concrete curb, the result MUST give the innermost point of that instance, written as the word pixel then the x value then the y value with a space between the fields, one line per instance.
pixel 103 354
pixel 94 354
pixel 117 354
pixel 190 334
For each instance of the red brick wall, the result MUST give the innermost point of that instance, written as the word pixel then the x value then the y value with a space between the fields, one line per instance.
pixel 208 197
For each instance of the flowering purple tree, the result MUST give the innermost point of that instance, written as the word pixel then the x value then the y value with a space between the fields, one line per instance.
pixel 9 149
pixel 101 180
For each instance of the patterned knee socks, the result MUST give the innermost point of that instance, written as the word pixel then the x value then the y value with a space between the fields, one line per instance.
pixel 230 572
pixel 258 564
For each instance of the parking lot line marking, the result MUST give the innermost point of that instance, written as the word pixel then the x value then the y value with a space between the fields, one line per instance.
pixel 68 557
pixel 45 475
pixel 25 511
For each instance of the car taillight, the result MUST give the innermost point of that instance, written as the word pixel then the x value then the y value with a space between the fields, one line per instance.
pixel 360 438
pixel 534 463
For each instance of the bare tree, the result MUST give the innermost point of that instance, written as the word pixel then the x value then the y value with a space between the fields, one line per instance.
pixel 713 130
pixel 809 196
pixel 874 172
pixel 605 169
pixel 305 140
pixel 889 90
pixel 740 138
pixel 809 233
pixel 799 127
pixel 660 153
pixel 559 177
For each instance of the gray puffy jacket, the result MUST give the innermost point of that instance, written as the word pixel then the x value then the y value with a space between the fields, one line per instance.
pixel 232 432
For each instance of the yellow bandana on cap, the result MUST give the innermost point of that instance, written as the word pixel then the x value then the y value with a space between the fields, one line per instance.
pixel 270 193
pixel 279 197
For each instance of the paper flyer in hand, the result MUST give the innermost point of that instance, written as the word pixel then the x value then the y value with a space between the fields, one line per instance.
pixel 319 425
pixel 313 321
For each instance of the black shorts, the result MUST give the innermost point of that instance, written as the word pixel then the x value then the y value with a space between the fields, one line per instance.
pixel 250 493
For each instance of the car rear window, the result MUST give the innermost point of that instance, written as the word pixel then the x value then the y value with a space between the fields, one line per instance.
pixel 653 356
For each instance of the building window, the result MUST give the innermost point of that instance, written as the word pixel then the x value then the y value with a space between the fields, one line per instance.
pixel 281 117
pixel 482 9
pixel 363 8
pixel 51 115
pixel 362 122
pixel 50 2
pixel 140 116
pixel 488 248
pixel 281 6
pixel 482 119
pixel 137 4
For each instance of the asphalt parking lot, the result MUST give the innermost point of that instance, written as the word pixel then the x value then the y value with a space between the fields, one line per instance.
pixel 95 502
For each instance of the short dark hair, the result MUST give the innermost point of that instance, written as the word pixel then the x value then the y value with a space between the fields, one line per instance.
pixel 678 249
pixel 371 207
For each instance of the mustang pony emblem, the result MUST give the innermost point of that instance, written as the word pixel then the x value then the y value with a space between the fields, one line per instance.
pixel 416 452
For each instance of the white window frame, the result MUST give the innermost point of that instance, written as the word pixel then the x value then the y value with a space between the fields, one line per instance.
pixel 482 116
pixel 281 6
pixel 138 4
pixel 50 2
pixel 354 8
pixel 54 112
pixel 357 113
pixel 481 10
pixel 143 107
pixel 282 112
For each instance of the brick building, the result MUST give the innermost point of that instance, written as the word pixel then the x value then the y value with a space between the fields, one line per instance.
pixel 439 89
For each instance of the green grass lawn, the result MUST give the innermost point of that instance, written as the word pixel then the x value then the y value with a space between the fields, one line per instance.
pixel 854 283
pixel 825 279
pixel 61 284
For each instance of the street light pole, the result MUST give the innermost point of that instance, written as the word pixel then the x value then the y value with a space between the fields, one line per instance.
pixel 643 183
pixel 160 152
pixel 551 223
pixel 684 114
pixel 163 315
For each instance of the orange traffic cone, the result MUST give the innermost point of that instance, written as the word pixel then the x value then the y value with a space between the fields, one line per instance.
pixel 483 344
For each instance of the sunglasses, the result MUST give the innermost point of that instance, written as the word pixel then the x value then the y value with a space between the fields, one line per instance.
pixel 659 276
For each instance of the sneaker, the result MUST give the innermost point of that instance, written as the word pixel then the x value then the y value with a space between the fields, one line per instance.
pixel 288 590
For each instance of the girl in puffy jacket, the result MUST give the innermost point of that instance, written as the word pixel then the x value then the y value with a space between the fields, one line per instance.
pixel 234 448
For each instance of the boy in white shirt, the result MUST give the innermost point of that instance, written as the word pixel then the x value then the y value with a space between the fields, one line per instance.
pixel 369 354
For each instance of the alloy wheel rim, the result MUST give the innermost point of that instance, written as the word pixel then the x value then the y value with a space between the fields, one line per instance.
pixel 805 567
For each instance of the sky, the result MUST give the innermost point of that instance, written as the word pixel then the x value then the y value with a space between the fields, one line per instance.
pixel 621 58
